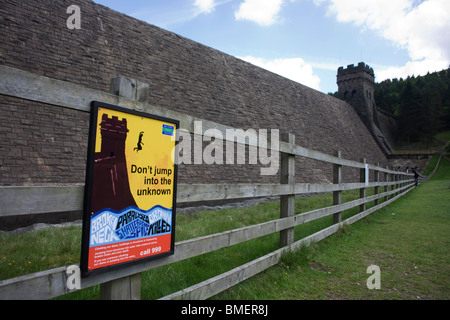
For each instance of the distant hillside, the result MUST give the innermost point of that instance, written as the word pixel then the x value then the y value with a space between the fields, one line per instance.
pixel 421 103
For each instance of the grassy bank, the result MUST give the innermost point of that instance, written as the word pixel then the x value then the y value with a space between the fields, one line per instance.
pixel 408 240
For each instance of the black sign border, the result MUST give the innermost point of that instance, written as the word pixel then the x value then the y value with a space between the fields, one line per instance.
pixel 95 105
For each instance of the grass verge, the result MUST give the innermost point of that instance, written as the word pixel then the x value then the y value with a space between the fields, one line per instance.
pixel 407 239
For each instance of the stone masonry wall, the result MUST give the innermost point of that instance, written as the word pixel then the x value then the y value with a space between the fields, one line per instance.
pixel 42 144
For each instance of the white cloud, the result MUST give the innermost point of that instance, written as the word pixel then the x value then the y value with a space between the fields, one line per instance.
pixel 167 16
pixel 416 68
pixel 421 28
pixel 263 12
pixel 205 6
pixel 292 68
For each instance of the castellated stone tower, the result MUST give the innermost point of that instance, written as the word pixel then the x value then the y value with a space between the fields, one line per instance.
pixel 356 86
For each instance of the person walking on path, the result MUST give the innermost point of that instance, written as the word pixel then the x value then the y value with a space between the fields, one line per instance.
pixel 416 176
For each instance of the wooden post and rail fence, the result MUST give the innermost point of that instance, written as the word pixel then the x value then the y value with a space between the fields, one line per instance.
pixel 125 283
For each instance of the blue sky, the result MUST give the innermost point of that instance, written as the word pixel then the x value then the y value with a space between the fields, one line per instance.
pixel 307 40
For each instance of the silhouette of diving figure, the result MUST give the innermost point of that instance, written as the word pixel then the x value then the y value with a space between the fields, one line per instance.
pixel 140 143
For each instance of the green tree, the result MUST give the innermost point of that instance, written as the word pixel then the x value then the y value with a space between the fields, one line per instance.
pixel 421 103
pixel 409 113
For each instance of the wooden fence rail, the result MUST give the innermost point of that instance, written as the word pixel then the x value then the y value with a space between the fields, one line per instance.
pixel 56 198
pixel 26 200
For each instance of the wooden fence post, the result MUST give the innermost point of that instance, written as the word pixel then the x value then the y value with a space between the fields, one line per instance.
pixel 376 178
pixel 392 186
pixel 402 179
pixel 386 180
pixel 127 288
pixel 397 185
pixel 362 191
pixel 287 202
pixel 337 195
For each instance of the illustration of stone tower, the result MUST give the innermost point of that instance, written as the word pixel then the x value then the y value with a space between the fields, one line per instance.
pixel 110 181
pixel 356 86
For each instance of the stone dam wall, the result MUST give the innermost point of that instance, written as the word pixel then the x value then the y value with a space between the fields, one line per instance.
pixel 42 144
